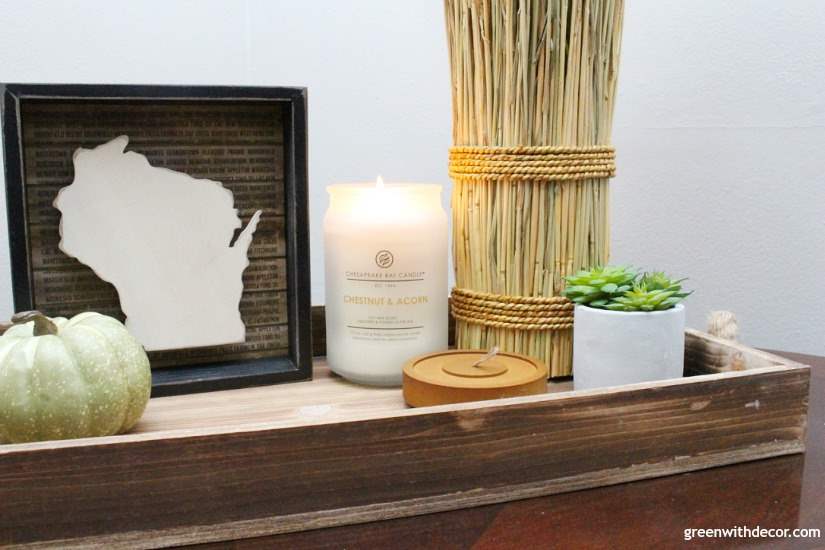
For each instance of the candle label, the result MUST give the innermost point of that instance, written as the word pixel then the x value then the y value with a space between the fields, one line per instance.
pixel 386 303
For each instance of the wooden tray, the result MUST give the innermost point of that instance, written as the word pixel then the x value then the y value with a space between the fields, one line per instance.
pixel 259 461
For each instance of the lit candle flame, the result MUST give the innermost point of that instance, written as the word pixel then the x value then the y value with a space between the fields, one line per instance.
pixel 379 182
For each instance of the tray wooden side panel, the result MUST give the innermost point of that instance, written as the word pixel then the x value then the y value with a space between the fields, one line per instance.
pixel 216 486
pixel 706 354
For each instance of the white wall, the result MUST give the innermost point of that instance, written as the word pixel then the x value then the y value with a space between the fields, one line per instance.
pixel 720 123
pixel 720 135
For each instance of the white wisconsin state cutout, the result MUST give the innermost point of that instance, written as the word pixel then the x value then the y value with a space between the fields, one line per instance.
pixel 162 239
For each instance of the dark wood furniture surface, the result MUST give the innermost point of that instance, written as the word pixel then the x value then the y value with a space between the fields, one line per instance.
pixel 785 492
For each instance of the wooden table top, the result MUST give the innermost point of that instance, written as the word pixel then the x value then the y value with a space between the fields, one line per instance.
pixel 785 492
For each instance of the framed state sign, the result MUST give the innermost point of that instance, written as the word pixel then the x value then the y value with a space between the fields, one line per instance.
pixel 181 211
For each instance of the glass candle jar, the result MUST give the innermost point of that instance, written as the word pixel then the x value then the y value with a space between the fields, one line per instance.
pixel 386 278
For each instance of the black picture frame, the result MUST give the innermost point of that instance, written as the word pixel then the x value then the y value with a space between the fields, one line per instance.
pixel 297 365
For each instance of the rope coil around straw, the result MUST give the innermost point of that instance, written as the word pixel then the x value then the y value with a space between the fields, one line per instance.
pixel 512 312
pixel 535 163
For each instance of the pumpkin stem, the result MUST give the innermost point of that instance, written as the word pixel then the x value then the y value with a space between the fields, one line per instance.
pixel 42 324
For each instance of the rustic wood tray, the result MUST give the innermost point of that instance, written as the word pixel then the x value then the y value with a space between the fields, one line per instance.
pixel 259 461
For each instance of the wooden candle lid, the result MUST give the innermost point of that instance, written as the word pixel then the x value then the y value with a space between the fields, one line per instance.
pixel 451 377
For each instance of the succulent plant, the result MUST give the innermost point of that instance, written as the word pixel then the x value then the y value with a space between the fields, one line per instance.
pixel 599 286
pixel 659 281
pixel 620 288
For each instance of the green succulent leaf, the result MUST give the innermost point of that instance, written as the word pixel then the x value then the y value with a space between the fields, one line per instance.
pixel 670 302
pixel 582 289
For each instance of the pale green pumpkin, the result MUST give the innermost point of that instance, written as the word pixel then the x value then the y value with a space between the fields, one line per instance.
pixel 61 379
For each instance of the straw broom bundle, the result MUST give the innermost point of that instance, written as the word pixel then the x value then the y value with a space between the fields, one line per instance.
pixel 528 73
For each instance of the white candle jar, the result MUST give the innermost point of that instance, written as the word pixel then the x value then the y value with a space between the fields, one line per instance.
pixel 386 278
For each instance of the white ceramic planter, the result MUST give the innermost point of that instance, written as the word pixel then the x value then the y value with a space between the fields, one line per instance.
pixel 611 348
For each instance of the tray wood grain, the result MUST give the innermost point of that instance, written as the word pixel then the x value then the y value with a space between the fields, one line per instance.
pixel 258 461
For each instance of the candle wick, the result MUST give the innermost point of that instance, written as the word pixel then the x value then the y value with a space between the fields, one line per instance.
pixel 489 355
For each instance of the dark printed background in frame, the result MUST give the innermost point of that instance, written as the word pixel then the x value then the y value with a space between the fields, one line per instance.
pixel 238 144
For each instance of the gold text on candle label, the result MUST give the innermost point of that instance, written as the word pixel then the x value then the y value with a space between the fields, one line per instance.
pixel 385 301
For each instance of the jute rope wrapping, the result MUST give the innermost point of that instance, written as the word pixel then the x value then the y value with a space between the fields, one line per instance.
pixel 512 312
pixel 538 164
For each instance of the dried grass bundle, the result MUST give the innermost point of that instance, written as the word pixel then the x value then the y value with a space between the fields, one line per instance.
pixel 530 72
